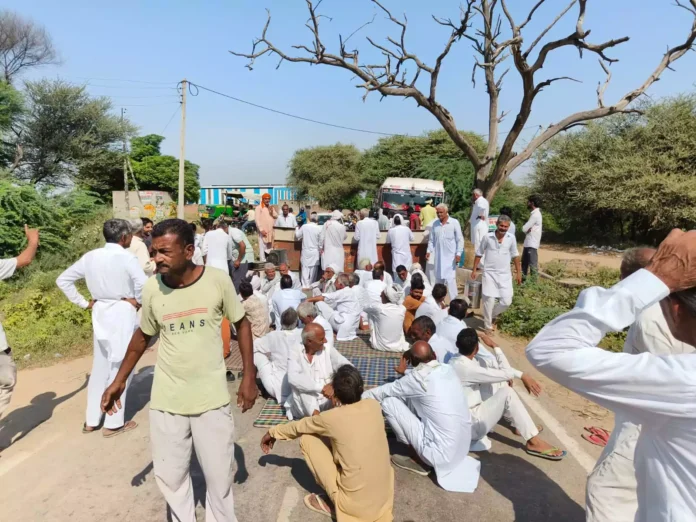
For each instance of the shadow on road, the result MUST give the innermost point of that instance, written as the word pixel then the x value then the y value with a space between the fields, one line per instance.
pixel 139 391
pixel 534 496
pixel 298 469
pixel 20 422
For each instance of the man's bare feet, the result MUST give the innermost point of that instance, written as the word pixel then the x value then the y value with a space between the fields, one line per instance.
pixel 539 446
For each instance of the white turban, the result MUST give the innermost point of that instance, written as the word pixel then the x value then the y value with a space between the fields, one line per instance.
pixel 415 266
pixel 334 267
pixel 336 214
pixel 393 293
pixel 362 264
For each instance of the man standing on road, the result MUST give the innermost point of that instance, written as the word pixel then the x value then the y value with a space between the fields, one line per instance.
pixel 139 249
pixel 446 242
pixel 8 370
pixel 147 231
pixel 286 219
pixel 480 208
pixel 331 240
pixel 499 249
pixel 309 234
pixel 532 240
pixel 115 281
pixel 265 217
pixel 400 238
pixel 427 213
pixel 366 234
pixel 242 255
pixel 611 487
pixel 217 248
pixel 190 405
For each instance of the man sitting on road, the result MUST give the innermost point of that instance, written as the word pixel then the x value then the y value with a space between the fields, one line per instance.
pixel 423 329
pixel 327 282
pixel 255 309
pixel 361 487
pixel 284 269
pixel 413 301
pixel 309 313
pixel 311 366
pixel 403 278
pixel 269 281
pixel 450 326
pixel 341 308
pixel 379 265
pixel 271 354
pixel 364 271
pixel 284 298
pixel 434 305
pixel 485 414
pixel 427 410
pixel 387 319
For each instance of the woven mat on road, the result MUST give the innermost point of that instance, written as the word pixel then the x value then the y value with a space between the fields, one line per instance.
pixel 375 372
pixel 360 347
pixel 234 359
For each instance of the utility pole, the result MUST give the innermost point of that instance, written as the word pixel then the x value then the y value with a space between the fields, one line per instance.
pixel 125 167
pixel 182 150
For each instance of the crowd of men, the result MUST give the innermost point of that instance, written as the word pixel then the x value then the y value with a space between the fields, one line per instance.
pixel 189 290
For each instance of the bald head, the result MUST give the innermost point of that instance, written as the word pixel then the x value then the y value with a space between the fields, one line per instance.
pixel 421 352
pixel 635 259
pixel 313 338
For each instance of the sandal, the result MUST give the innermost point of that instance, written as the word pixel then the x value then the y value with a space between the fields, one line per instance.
pixel 547 454
pixel 594 439
pixel 128 426
pixel 89 429
pixel 598 436
pixel 324 508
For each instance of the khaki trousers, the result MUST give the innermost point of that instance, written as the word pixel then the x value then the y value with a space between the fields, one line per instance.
pixel 8 379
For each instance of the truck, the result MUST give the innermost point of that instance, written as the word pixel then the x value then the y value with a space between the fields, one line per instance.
pixel 398 194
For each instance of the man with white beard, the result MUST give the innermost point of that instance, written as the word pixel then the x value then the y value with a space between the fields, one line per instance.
pixel 115 281
pixel 309 234
pixel 446 243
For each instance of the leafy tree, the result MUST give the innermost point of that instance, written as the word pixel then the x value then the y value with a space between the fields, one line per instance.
pixel 23 44
pixel 66 134
pixel 153 171
pixel 631 177
pixel 11 108
pixel 330 174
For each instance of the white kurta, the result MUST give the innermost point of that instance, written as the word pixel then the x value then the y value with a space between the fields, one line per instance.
pixel 387 322
pixel 427 410
pixel 449 328
pixel 111 273
pixel 307 380
pixel 533 230
pixel 431 309
pixel 271 353
pixel 442 347
pixel 346 312
pixel 286 222
pixel 218 249
pixel 497 274
pixel 284 299
pixel 367 234
pixel 480 233
pixel 139 249
pixel 319 319
pixel 654 391
pixel 611 487
pixel 481 207
pixel 400 238
pixel 310 235
pixel 332 236
pixel 447 242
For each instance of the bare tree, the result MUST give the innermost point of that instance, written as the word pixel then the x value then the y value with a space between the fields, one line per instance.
pixel 481 23
pixel 23 44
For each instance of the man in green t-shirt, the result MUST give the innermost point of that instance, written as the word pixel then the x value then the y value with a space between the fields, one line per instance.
pixel 190 404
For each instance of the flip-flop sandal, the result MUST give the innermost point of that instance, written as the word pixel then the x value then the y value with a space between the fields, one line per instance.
pixel 324 508
pixel 128 426
pixel 599 432
pixel 547 454
pixel 86 431
pixel 594 439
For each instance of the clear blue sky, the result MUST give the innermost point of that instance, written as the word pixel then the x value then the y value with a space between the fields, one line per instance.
pixel 165 41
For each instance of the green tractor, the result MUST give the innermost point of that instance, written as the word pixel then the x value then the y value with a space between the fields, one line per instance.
pixel 232 209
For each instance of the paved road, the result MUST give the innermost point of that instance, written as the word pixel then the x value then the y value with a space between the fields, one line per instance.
pixel 52 472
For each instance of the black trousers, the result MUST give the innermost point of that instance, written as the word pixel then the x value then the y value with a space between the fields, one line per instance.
pixel 530 259
pixel 238 274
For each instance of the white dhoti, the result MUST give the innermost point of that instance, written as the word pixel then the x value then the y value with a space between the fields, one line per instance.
pixel 300 405
pixel 345 325
pixel 274 380
pixel 491 309
pixel 113 323
pixel 211 435
pixel 504 403
pixel 309 275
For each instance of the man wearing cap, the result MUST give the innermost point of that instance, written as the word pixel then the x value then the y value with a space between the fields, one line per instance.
pixel 265 219
pixel 331 241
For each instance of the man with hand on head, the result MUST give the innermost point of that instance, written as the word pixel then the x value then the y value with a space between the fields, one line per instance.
pixel 654 390
pixel 190 405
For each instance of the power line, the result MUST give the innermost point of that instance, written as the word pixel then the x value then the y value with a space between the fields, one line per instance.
pixel 290 115
pixel 145 104
pixel 142 97
pixel 126 87
pixel 120 80
pixel 171 118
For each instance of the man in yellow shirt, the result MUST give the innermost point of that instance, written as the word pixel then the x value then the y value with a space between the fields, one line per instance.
pixel 427 213
pixel 347 452
pixel 190 404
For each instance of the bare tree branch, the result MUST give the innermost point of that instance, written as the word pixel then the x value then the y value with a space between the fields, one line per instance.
pixel 601 87
pixel 548 28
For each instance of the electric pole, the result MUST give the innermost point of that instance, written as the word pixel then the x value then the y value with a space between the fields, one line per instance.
pixel 125 167
pixel 182 150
